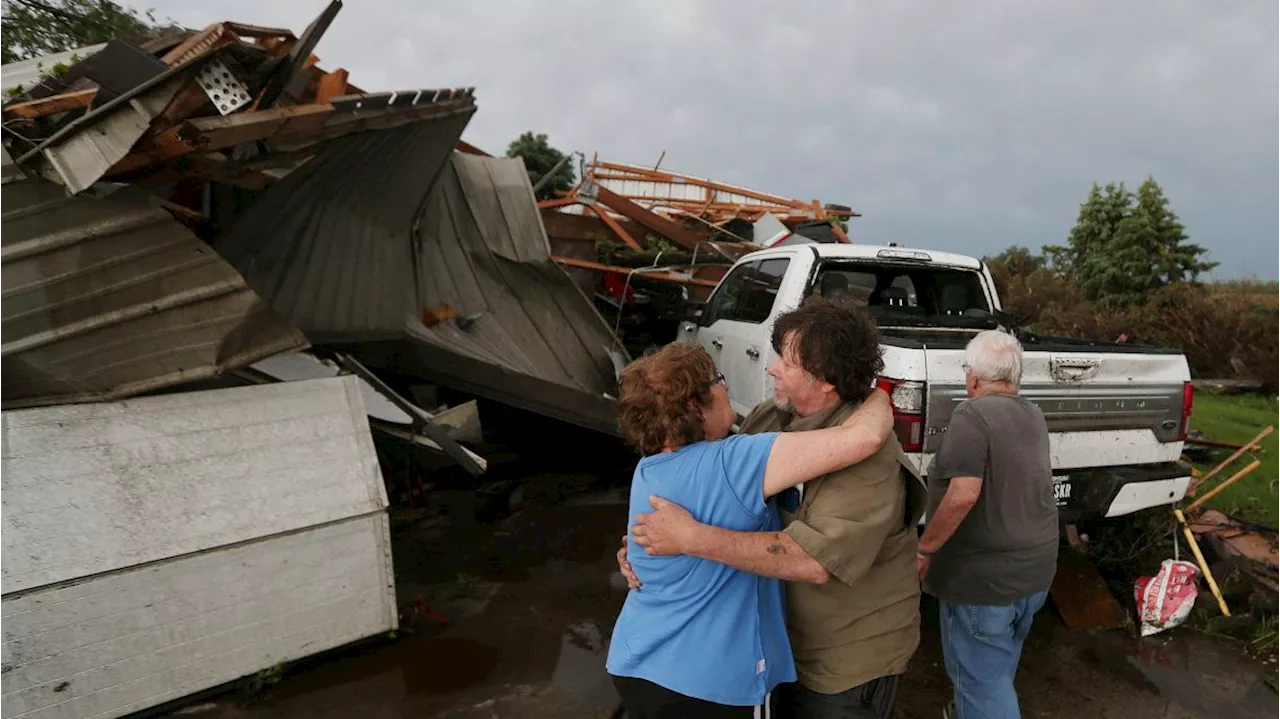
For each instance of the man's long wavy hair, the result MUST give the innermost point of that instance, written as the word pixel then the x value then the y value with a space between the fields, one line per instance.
pixel 662 395
pixel 837 342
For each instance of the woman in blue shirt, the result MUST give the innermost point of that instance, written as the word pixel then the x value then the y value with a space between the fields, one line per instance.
pixel 703 639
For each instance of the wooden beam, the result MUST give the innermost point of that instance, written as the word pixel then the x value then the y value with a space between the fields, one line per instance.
pixel 46 106
pixel 558 202
pixel 650 220
pixel 664 276
pixel 188 100
pixel 332 85
pixel 212 133
pixel 625 172
pixel 613 225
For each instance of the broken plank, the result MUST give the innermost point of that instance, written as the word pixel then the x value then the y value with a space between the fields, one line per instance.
pixel 332 85
pixel 544 204
pixel 211 133
pixel 1253 444
pixel 651 274
pixel 46 106
pixel 616 228
pixel 188 100
pixel 653 221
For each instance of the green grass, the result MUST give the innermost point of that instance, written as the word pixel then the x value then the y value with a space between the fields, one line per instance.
pixel 1238 419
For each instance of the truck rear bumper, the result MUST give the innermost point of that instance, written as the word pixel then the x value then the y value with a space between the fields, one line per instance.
pixel 1102 492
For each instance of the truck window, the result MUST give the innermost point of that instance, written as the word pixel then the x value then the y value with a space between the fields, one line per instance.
pixel 748 293
pixel 902 291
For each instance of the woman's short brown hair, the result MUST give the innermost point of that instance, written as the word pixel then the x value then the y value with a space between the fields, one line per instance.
pixel 661 396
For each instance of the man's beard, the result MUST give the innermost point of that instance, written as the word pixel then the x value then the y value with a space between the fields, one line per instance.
pixel 784 405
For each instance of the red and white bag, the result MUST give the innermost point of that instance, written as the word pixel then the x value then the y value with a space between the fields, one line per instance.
pixel 1165 600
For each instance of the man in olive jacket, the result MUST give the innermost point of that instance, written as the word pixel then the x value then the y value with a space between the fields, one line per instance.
pixel 849 547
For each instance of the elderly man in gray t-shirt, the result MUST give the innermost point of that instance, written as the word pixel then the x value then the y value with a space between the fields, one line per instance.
pixel 990 549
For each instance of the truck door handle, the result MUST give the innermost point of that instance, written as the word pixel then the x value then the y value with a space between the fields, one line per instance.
pixel 753 353
pixel 717 344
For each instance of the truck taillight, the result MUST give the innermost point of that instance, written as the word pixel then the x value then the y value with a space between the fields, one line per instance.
pixel 907 398
pixel 1188 399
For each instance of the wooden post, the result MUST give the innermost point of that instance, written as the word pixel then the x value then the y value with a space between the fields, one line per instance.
pixel 1204 566
pixel 1230 481
pixel 1253 444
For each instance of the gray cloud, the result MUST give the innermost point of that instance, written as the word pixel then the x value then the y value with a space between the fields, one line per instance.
pixel 959 126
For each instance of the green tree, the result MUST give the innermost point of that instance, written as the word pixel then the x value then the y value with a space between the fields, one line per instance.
pixel 1170 255
pixel 1125 245
pixel 539 159
pixel 1100 215
pixel 33 28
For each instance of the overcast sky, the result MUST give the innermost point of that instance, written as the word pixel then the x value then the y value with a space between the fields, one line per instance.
pixel 963 126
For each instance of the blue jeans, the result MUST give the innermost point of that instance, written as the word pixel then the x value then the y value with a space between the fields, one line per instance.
pixel 981 645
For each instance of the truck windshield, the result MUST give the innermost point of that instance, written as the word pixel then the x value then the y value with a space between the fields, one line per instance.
pixel 902 292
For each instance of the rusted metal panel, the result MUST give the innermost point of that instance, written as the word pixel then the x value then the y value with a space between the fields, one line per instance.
pixel 106 297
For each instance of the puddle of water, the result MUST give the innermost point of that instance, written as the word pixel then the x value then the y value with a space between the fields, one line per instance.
pixel 1195 675
pixel 1202 677
pixel 580 667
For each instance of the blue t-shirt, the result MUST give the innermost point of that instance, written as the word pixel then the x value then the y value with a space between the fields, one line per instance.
pixel 698 627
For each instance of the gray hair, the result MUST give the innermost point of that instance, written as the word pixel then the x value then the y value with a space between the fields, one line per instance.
pixel 994 356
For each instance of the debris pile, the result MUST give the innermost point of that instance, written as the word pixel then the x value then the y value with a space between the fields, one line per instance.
pixel 181 207
pixel 203 236
pixel 1245 549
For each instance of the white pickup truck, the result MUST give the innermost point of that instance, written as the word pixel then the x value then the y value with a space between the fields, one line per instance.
pixel 1118 413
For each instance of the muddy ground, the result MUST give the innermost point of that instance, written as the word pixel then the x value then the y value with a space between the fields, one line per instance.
pixel 511 618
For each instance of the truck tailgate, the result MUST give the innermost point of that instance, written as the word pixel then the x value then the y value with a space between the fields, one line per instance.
pixel 1103 408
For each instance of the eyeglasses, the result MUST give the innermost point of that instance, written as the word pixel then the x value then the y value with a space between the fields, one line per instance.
pixel 720 379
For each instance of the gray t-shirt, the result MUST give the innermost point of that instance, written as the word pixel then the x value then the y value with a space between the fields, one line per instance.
pixel 1007 546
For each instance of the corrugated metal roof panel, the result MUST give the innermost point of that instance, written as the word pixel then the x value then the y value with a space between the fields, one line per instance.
pixel 106 297
pixel 328 245
pixel 83 157
pixel 332 248
pixel 483 251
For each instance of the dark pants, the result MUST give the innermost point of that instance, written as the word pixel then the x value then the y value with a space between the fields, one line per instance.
pixel 873 700
pixel 643 699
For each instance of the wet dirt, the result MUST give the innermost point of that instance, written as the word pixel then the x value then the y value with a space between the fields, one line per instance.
pixel 512 619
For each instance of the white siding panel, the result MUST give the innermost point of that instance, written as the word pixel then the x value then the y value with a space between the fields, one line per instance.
pixel 133 639
pixel 100 487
